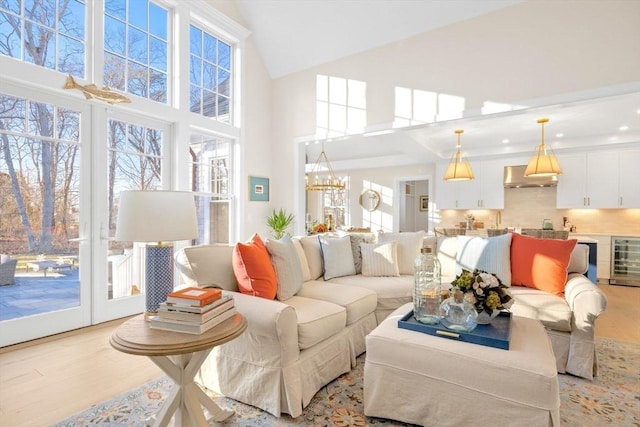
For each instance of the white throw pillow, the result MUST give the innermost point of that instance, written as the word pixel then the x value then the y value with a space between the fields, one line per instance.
pixel 337 257
pixel 306 273
pixel 311 246
pixel 356 239
pixel 409 245
pixel 492 255
pixel 286 264
pixel 379 259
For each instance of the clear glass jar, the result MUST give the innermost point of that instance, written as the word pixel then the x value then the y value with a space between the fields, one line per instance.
pixel 457 313
pixel 427 288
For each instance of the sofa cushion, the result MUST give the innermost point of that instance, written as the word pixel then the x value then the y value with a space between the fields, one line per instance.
pixel 304 264
pixel 447 248
pixel 357 301
pixel 253 270
pixel 317 320
pixel 409 244
pixel 337 257
pixel 286 264
pixel 552 310
pixel 379 259
pixel 356 239
pixel 392 291
pixel 311 246
pixel 492 255
pixel 540 263
pixel 579 261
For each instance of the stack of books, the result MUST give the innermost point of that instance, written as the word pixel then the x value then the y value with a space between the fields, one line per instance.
pixel 193 310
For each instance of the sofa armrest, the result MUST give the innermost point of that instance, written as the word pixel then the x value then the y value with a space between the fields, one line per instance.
pixel 271 337
pixel 585 299
pixel 587 302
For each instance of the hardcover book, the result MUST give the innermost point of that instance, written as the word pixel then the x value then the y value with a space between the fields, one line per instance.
pixel 194 296
pixel 195 318
pixel 188 327
pixel 165 306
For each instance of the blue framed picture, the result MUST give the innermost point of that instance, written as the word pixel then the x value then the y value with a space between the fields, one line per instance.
pixel 258 189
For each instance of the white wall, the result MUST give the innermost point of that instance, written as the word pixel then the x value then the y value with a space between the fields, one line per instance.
pixel 526 51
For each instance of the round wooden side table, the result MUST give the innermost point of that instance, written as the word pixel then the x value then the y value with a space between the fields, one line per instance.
pixel 180 356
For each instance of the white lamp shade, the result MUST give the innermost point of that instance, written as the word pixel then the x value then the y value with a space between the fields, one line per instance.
pixel 156 216
pixel 458 169
pixel 543 163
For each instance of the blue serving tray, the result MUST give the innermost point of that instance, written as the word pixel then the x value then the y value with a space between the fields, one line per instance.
pixel 496 334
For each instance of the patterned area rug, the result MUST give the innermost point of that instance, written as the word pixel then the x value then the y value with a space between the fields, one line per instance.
pixel 613 398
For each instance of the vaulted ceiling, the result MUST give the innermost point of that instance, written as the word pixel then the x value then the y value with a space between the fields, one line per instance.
pixel 294 35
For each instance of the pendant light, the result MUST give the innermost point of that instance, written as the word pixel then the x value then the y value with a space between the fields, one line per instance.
pixel 544 161
pixel 323 177
pixel 458 169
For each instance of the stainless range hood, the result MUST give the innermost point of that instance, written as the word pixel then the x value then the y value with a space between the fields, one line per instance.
pixel 514 178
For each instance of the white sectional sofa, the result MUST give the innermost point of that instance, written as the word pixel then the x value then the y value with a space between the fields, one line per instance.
pixel 292 348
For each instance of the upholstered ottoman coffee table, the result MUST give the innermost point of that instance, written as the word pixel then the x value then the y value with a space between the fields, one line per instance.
pixel 434 381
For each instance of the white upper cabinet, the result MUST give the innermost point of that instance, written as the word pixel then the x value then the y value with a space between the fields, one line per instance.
pixel 486 191
pixel 629 186
pixel 599 179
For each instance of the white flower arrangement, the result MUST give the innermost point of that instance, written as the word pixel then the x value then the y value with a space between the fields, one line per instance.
pixel 484 290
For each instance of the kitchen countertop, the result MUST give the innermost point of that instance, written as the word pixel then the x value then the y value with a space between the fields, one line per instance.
pixel 586 235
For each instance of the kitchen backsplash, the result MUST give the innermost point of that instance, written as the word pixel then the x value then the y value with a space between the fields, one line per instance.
pixel 527 207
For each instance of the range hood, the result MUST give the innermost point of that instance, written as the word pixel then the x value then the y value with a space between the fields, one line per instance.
pixel 514 178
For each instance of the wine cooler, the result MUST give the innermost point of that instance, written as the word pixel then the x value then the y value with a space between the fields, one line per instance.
pixel 625 261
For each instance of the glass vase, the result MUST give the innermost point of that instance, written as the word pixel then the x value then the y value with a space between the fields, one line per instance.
pixel 427 288
pixel 457 313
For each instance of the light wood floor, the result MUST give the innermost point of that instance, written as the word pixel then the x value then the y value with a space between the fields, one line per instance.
pixel 47 380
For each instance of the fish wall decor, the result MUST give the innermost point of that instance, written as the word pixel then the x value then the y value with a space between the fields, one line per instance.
pixel 91 91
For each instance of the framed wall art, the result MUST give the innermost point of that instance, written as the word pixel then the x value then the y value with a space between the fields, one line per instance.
pixel 258 189
pixel 424 203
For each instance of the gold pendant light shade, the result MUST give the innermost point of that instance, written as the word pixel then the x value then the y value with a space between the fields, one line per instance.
pixel 544 162
pixel 459 169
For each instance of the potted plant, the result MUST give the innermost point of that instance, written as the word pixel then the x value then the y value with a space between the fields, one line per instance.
pixel 279 221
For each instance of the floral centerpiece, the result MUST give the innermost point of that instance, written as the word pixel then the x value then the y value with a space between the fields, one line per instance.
pixel 485 291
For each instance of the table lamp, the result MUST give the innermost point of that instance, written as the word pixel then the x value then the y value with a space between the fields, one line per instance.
pixel 161 217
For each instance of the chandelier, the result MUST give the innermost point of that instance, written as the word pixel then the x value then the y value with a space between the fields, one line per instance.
pixel 458 169
pixel 323 178
pixel 544 162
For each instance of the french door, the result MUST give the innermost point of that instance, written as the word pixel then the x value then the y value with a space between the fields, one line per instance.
pixel 135 156
pixel 62 165
pixel 45 216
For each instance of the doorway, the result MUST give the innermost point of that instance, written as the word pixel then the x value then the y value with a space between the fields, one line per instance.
pixel 414 203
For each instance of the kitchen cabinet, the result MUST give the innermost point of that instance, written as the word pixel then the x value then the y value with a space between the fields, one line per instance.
pixel 486 191
pixel 599 179
pixel 603 258
pixel 629 189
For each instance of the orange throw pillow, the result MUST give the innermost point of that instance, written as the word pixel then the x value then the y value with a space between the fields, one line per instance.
pixel 253 269
pixel 540 263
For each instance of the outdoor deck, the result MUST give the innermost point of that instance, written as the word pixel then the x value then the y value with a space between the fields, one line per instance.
pixel 33 293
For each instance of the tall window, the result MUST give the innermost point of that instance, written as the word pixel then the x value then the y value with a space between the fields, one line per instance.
pixel 341 106
pixel 47 33
pixel 210 71
pixel 210 180
pixel 135 48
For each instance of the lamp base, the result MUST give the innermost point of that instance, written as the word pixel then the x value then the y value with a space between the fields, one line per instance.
pixel 158 277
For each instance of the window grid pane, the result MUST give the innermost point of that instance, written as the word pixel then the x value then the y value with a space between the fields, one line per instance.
pixel 51 36
pixel 210 75
pixel 139 38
